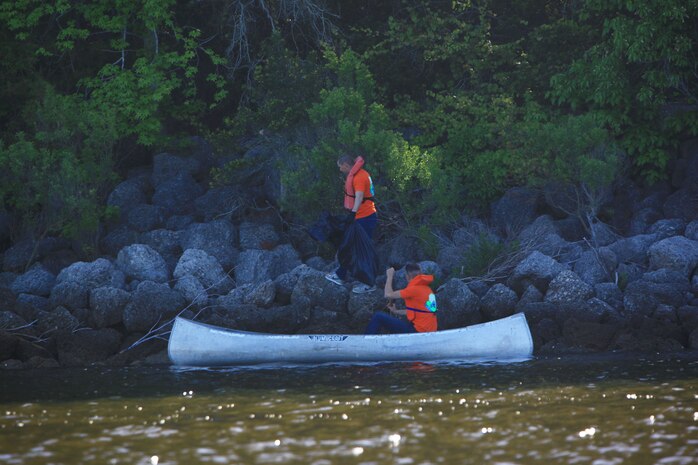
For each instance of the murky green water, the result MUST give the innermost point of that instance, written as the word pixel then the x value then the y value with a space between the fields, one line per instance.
pixel 582 410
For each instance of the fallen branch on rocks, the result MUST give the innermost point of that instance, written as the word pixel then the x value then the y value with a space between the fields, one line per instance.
pixel 501 266
pixel 162 331
pixel 17 331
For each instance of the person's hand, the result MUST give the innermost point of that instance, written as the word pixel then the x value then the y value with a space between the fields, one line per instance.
pixel 391 307
pixel 390 272
pixel 351 216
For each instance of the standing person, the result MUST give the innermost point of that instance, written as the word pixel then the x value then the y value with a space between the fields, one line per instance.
pixel 358 198
pixel 420 304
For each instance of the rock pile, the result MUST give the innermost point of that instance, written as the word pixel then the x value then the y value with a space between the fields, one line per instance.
pixel 181 248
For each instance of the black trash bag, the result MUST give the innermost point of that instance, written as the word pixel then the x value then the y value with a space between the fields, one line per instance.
pixel 357 255
pixel 329 228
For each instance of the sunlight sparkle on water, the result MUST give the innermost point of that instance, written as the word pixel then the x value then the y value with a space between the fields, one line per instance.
pixel 394 439
pixel 154 460
pixel 589 432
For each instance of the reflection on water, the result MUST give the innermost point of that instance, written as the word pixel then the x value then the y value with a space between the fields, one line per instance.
pixel 587 410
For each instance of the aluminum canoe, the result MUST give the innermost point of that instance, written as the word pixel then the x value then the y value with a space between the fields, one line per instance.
pixel 197 344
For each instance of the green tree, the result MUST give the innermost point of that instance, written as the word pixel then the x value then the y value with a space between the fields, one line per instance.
pixel 54 179
pixel 641 76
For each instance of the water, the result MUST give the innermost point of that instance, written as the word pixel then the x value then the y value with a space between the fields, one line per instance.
pixel 581 410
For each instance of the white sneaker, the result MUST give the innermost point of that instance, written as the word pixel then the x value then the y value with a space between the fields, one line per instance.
pixel 363 288
pixel 334 278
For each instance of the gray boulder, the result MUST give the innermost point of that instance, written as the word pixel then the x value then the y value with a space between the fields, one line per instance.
pixel 262 294
pixel 530 295
pixel 675 253
pixel 588 335
pixel 633 249
pixel 609 293
pixel 458 305
pixel 215 238
pixel 70 294
pixel 473 230
pixel 142 262
pixel 665 287
pixel 24 253
pixel 193 291
pixel 179 222
pixel 27 305
pixel 11 321
pixel 551 245
pixel 206 269
pixel 642 219
pixel 602 234
pixel 145 217
pixel 692 231
pixel 536 269
pixel 87 346
pixel 8 347
pixel 361 308
pixel 570 229
pixel 313 290
pixel 688 317
pixel 166 243
pixel 404 249
pixel 258 236
pixel 514 210
pixel 107 306
pixel 498 302
pixel 57 321
pixel 119 238
pixel 94 274
pixel 130 192
pixel 255 266
pixel 682 204
pixel 628 272
pixel 596 266
pixel 667 228
pixel 320 264
pixel 219 202
pixel 38 281
pixel 6 280
pixel 167 166
pixel 279 320
pixel 541 227
pixel 151 304
pixel 479 287
pixel 451 258
pixel 536 312
pixel 286 282
pixel 567 287
pixel 177 194
pixel 693 340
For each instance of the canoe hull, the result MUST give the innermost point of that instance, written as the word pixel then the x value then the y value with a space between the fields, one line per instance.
pixel 197 344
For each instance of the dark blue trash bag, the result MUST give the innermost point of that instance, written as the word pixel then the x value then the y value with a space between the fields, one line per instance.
pixel 357 254
pixel 355 251
pixel 329 228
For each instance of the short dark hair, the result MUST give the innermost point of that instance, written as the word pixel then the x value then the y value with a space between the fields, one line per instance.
pixel 345 160
pixel 412 268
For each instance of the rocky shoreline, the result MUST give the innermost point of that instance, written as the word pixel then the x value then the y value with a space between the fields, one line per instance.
pixel 217 255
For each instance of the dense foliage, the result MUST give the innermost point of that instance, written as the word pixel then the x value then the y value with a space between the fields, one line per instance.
pixel 450 102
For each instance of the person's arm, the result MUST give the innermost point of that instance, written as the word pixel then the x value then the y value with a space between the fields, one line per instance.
pixel 388 292
pixel 395 311
pixel 359 197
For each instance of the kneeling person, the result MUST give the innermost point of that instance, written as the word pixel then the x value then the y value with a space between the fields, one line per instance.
pixel 420 304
